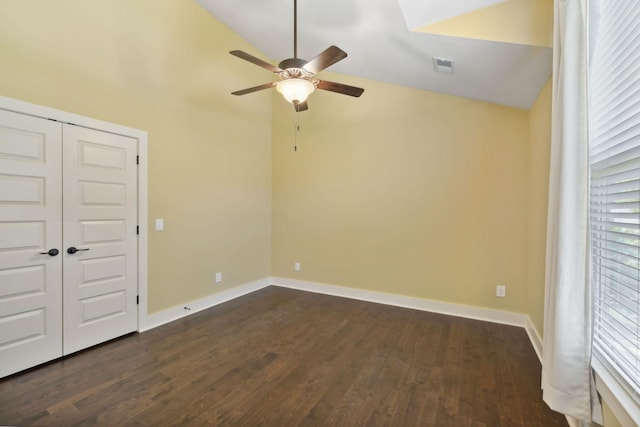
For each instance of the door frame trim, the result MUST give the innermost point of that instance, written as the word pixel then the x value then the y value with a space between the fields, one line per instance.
pixel 141 136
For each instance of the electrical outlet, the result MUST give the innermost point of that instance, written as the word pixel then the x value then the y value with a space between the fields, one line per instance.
pixel 296 266
pixel 218 277
pixel 501 291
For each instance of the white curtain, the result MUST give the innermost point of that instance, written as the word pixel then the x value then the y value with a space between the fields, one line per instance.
pixel 567 379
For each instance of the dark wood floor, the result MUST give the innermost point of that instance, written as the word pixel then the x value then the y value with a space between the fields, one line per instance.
pixel 280 357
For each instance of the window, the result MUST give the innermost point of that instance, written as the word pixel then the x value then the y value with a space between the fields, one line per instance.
pixel 614 141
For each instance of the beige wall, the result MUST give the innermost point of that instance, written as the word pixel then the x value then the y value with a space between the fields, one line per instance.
pixel 403 191
pixel 527 22
pixel 537 196
pixel 400 191
pixel 158 66
pixel 610 419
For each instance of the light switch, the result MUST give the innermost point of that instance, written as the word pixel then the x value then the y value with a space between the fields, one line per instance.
pixel 159 224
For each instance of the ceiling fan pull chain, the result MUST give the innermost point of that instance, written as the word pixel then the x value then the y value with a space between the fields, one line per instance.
pixel 296 129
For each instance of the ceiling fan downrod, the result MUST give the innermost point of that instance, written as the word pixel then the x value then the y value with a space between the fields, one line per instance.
pixel 294 63
pixel 295 28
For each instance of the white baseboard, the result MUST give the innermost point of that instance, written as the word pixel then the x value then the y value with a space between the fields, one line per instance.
pixel 467 311
pixel 534 337
pixel 459 310
pixel 157 319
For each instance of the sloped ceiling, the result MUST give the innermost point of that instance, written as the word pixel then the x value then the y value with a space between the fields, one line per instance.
pixel 501 49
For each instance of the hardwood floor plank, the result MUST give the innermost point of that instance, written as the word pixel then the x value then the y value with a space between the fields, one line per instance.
pixel 280 357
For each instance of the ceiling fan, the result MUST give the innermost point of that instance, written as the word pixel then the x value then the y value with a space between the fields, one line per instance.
pixel 297 76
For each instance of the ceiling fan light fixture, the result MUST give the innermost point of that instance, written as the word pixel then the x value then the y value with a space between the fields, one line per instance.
pixel 295 90
pixel 297 76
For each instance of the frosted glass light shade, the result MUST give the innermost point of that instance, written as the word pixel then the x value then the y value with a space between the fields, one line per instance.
pixel 295 91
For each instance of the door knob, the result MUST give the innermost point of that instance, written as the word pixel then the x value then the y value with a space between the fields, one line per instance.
pixel 51 252
pixel 72 250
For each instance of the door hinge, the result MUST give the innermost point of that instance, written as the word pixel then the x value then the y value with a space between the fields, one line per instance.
pixel 137 229
pixel 137 160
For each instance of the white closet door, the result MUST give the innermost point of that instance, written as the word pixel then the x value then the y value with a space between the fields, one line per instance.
pixel 100 211
pixel 30 226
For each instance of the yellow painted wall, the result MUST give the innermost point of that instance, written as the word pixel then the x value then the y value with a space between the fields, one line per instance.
pixel 610 419
pixel 158 66
pixel 400 191
pixel 403 191
pixel 528 22
pixel 538 194
pixel 426 193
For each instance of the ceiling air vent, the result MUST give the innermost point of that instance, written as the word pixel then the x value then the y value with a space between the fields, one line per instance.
pixel 442 65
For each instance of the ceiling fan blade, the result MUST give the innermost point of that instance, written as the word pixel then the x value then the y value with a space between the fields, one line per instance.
pixel 244 55
pixel 253 89
pixel 301 106
pixel 340 88
pixel 325 59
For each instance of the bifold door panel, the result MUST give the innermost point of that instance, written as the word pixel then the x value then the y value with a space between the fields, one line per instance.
pixel 68 265
pixel 30 226
pixel 100 213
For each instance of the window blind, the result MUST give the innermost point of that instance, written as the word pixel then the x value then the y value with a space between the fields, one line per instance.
pixel 614 147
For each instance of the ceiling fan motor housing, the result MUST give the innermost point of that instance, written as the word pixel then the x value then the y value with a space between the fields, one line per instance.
pixel 292 63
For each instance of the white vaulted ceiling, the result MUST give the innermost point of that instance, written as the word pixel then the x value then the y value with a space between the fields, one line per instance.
pixel 392 41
